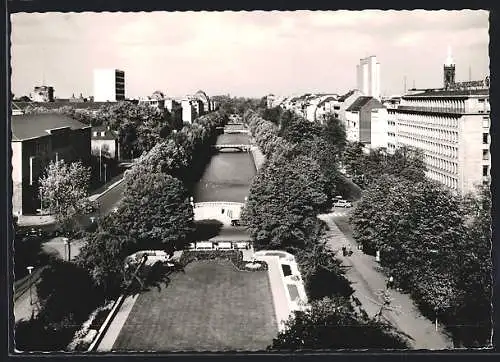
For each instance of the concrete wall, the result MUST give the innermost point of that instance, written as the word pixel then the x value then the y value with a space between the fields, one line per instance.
pixel 217 211
pixel 379 128
pixel 17 177
pixel 470 152
pixel 352 126
pixel 104 85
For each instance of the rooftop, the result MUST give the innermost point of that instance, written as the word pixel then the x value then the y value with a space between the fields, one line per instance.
pixel 56 104
pixel 449 93
pixel 28 126
pixel 347 95
pixel 360 103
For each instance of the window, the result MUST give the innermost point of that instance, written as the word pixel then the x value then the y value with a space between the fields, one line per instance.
pixel 95 133
pixel 485 154
pixel 103 133
pixel 485 138
pixel 486 122
pixel 485 170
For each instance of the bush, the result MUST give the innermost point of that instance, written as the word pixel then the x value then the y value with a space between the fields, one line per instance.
pixel 235 256
pixel 35 335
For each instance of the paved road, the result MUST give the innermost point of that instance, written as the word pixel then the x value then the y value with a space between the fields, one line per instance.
pixel 368 281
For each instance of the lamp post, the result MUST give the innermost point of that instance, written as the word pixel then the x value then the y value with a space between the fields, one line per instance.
pixel 100 162
pixel 68 246
pixel 30 270
pixel 41 202
pixel 105 172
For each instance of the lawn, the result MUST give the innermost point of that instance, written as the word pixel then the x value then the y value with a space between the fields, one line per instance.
pixel 210 307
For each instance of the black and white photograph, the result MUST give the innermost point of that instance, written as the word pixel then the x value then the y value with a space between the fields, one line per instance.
pixel 253 181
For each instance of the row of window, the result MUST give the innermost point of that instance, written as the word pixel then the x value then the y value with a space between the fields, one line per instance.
pixel 441 164
pixel 430 133
pixel 427 103
pixel 446 180
pixel 440 121
pixel 426 145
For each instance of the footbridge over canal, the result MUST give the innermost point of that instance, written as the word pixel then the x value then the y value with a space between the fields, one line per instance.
pixel 234 147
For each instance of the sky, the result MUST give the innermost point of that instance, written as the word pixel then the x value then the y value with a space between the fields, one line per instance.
pixel 244 53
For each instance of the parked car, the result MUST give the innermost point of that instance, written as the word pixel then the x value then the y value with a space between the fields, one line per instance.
pixel 342 203
pixel 235 222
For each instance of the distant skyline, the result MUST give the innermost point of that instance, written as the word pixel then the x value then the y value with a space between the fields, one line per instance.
pixel 245 53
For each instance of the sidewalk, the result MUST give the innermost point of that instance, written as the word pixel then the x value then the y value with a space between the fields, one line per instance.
pixel 39 220
pixel 367 281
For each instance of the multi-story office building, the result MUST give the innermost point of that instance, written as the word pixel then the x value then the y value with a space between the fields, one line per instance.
pixel 109 85
pixel 368 76
pixel 451 126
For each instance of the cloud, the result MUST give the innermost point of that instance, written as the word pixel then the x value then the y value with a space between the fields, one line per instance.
pixel 242 51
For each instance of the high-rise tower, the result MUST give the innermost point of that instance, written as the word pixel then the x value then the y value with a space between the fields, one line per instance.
pixel 449 71
pixel 368 74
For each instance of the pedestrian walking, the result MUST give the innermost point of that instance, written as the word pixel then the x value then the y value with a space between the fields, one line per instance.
pixel 390 282
pixel 344 250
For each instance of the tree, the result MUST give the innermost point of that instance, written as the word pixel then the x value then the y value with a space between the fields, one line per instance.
pixel 60 292
pixel 156 210
pixel 103 255
pixel 332 323
pixel 298 129
pixel 321 270
pixel 64 190
pixel 475 274
pixel 284 199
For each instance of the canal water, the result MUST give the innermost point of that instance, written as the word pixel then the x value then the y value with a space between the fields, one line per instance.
pixel 229 174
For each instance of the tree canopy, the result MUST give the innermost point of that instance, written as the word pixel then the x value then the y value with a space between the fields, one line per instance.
pixel 64 190
pixel 333 323
pixel 156 210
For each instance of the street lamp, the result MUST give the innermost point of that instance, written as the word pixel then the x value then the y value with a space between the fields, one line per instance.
pixel 105 172
pixel 67 244
pixel 30 269
pixel 41 202
pixel 100 162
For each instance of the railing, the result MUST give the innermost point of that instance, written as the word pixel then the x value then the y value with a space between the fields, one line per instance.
pixel 432 109
pixel 217 203
pixel 243 147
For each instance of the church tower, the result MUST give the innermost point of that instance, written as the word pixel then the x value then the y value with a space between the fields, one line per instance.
pixel 449 71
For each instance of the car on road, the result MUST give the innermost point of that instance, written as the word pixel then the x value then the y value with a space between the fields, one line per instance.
pixel 235 222
pixel 342 203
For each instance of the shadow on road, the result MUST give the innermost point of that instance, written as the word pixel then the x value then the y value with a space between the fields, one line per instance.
pixel 206 229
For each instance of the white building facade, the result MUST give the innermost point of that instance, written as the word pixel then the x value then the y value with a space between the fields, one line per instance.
pixel 452 130
pixel 368 76
pixel 109 85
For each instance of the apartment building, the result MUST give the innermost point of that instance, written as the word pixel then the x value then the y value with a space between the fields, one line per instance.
pixel 366 122
pixel 452 128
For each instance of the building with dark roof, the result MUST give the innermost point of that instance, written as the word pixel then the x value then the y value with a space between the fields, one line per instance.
pixel 38 139
pixel 366 122
pixel 104 143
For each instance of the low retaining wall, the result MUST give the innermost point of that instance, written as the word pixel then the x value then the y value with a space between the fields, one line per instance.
pixel 106 324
